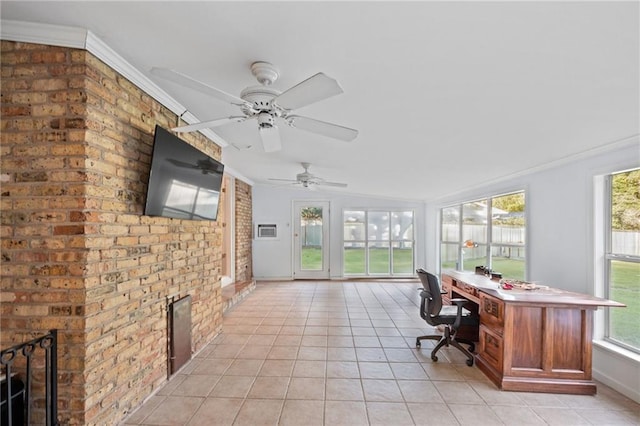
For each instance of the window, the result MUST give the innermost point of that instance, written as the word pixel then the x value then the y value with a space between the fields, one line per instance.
pixel 378 242
pixel 622 258
pixel 488 232
pixel 508 235
pixel 450 237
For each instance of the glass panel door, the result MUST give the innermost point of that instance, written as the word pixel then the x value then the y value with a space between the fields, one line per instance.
pixel 378 242
pixel 402 242
pixel 355 237
pixel 311 245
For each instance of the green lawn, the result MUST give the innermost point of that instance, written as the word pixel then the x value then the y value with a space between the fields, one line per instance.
pixel 311 258
pixel 354 260
pixel 625 289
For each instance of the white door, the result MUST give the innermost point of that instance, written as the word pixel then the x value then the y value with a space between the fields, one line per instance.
pixel 311 239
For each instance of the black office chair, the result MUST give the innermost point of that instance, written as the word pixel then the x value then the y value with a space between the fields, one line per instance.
pixel 452 317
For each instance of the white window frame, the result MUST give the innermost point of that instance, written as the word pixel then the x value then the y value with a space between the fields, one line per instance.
pixel 489 244
pixel 608 257
pixel 390 241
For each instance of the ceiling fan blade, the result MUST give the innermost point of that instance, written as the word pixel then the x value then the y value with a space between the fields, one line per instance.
pixel 185 80
pixel 270 139
pixel 208 124
pixel 284 180
pixel 336 184
pixel 323 128
pixel 311 90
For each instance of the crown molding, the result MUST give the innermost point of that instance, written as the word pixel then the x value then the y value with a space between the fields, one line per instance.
pixel 622 143
pixel 106 54
pixel 236 174
pixel 32 32
pixel 79 38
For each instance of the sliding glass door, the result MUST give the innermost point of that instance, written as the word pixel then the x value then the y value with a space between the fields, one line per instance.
pixel 378 242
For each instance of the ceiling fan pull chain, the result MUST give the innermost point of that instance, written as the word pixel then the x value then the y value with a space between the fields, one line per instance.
pixel 180 117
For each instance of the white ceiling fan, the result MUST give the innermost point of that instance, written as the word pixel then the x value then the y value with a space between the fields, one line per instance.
pixel 269 106
pixel 308 180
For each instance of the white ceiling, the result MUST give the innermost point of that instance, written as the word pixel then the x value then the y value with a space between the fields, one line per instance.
pixel 446 95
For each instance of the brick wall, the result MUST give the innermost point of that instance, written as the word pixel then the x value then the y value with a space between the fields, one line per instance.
pixel 243 231
pixel 77 252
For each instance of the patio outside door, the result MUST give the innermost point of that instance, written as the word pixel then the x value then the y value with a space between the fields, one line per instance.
pixel 311 239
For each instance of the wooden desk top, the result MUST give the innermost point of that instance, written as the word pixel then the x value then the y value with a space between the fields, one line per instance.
pixel 547 296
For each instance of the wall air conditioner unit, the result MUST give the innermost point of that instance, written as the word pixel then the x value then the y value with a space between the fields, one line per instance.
pixel 267 231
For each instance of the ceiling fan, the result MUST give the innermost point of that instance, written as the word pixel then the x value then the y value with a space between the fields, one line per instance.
pixel 268 106
pixel 307 180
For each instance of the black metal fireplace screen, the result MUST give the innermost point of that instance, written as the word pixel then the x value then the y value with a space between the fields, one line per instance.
pixel 22 378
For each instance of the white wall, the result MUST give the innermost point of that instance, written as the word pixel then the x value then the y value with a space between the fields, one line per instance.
pixel 273 258
pixel 560 211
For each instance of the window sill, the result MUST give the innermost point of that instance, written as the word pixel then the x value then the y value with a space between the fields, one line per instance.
pixel 617 351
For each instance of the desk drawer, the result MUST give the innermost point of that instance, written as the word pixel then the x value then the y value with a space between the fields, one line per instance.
pixel 466 290
pixel 491 348
pixel 492 312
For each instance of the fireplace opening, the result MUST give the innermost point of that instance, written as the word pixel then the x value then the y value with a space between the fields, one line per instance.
pixel 179 335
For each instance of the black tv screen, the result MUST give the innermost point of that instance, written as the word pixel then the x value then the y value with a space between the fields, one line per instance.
pixel 184 182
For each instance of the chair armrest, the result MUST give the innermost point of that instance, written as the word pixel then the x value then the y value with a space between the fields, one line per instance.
pixel 460 304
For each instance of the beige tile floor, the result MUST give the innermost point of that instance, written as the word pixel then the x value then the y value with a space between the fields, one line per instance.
pixel 343 353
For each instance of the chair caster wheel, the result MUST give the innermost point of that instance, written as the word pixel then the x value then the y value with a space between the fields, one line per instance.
pixel 418 344
pixel 434 358
pixel 472 348
pixel 470 362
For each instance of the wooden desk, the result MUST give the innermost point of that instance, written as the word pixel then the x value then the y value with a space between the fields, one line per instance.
pixel 531 340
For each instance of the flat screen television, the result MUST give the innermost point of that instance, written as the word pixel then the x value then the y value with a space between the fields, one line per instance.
pixel 184 182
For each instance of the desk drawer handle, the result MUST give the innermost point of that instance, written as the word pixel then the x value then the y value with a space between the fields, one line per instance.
pixel 490 340
pixel 491 308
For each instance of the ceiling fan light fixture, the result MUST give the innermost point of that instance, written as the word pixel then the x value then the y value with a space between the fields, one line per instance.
pixel 265 120
pixel 270 138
